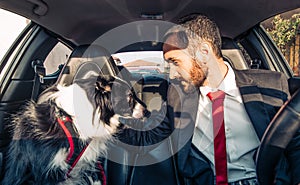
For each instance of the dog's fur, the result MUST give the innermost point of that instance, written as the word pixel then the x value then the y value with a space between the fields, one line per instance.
pixel 38 151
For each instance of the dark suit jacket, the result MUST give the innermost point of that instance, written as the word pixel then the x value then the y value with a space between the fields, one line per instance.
pixel 263 93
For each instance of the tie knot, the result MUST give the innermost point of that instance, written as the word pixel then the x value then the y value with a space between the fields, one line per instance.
pixel 216 95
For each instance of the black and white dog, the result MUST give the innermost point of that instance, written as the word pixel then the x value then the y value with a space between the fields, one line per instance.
pixel 59 139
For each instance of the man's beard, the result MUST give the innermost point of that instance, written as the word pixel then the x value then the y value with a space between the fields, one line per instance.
pixel 198 74
pixel 197 78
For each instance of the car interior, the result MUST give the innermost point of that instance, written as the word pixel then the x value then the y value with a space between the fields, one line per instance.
pixel 28 76
pixel 95 58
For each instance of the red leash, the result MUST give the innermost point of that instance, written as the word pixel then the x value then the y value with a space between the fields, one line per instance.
pixel 68 134
pixel 102 174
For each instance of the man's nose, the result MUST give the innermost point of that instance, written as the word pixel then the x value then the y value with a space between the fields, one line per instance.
pixel 173 72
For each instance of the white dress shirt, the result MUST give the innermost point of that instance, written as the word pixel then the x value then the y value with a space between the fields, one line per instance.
pixel 241 139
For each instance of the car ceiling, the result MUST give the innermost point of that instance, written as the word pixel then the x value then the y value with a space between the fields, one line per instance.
pixel 83 21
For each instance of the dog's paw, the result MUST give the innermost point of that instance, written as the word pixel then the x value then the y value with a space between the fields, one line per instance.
pixel 138 111
pixel 115 120
pixel 114 123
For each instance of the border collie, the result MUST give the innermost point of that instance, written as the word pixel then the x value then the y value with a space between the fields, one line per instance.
pixel 60 138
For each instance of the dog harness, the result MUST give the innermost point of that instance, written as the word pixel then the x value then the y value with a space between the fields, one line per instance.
pixel 75 151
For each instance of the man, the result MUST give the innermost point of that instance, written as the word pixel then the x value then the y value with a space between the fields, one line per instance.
pixel 252 98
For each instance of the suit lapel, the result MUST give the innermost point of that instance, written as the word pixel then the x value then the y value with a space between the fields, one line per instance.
pixel 185 116
pixel 253 102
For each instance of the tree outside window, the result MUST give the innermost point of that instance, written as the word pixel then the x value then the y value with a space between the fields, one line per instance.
pixel 285 31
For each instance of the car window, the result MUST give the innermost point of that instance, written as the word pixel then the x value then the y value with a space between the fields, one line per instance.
pixel 58 56
pixel 284 29
pixel 11 26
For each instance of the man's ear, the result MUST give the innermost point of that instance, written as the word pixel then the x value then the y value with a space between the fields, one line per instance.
pixel 204 48
pixel 203 51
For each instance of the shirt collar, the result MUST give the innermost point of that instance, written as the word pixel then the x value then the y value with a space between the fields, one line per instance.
pixel 228 85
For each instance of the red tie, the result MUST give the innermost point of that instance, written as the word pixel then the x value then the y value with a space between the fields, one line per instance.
pixel 217 99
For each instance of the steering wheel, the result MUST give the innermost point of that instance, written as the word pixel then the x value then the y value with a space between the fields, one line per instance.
pixel 276 138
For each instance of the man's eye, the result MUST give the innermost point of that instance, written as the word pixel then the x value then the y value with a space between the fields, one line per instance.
pixel 175 63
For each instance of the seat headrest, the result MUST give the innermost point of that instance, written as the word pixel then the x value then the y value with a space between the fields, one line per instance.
pixel 86 60
pixel 228 43
pixel 233 54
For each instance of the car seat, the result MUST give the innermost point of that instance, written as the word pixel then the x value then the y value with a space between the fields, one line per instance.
pixel 85 59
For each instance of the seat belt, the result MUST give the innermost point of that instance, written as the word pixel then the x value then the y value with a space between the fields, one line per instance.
pixel 40 73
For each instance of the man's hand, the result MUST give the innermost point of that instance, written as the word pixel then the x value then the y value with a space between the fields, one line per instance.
pixel 138 111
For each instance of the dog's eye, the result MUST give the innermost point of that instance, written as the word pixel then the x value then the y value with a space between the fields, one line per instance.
pixel 130 97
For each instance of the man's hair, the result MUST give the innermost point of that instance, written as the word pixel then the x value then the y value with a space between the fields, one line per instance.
pixel 193 29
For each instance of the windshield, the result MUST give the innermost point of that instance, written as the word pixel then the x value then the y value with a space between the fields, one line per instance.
pixel 142 62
